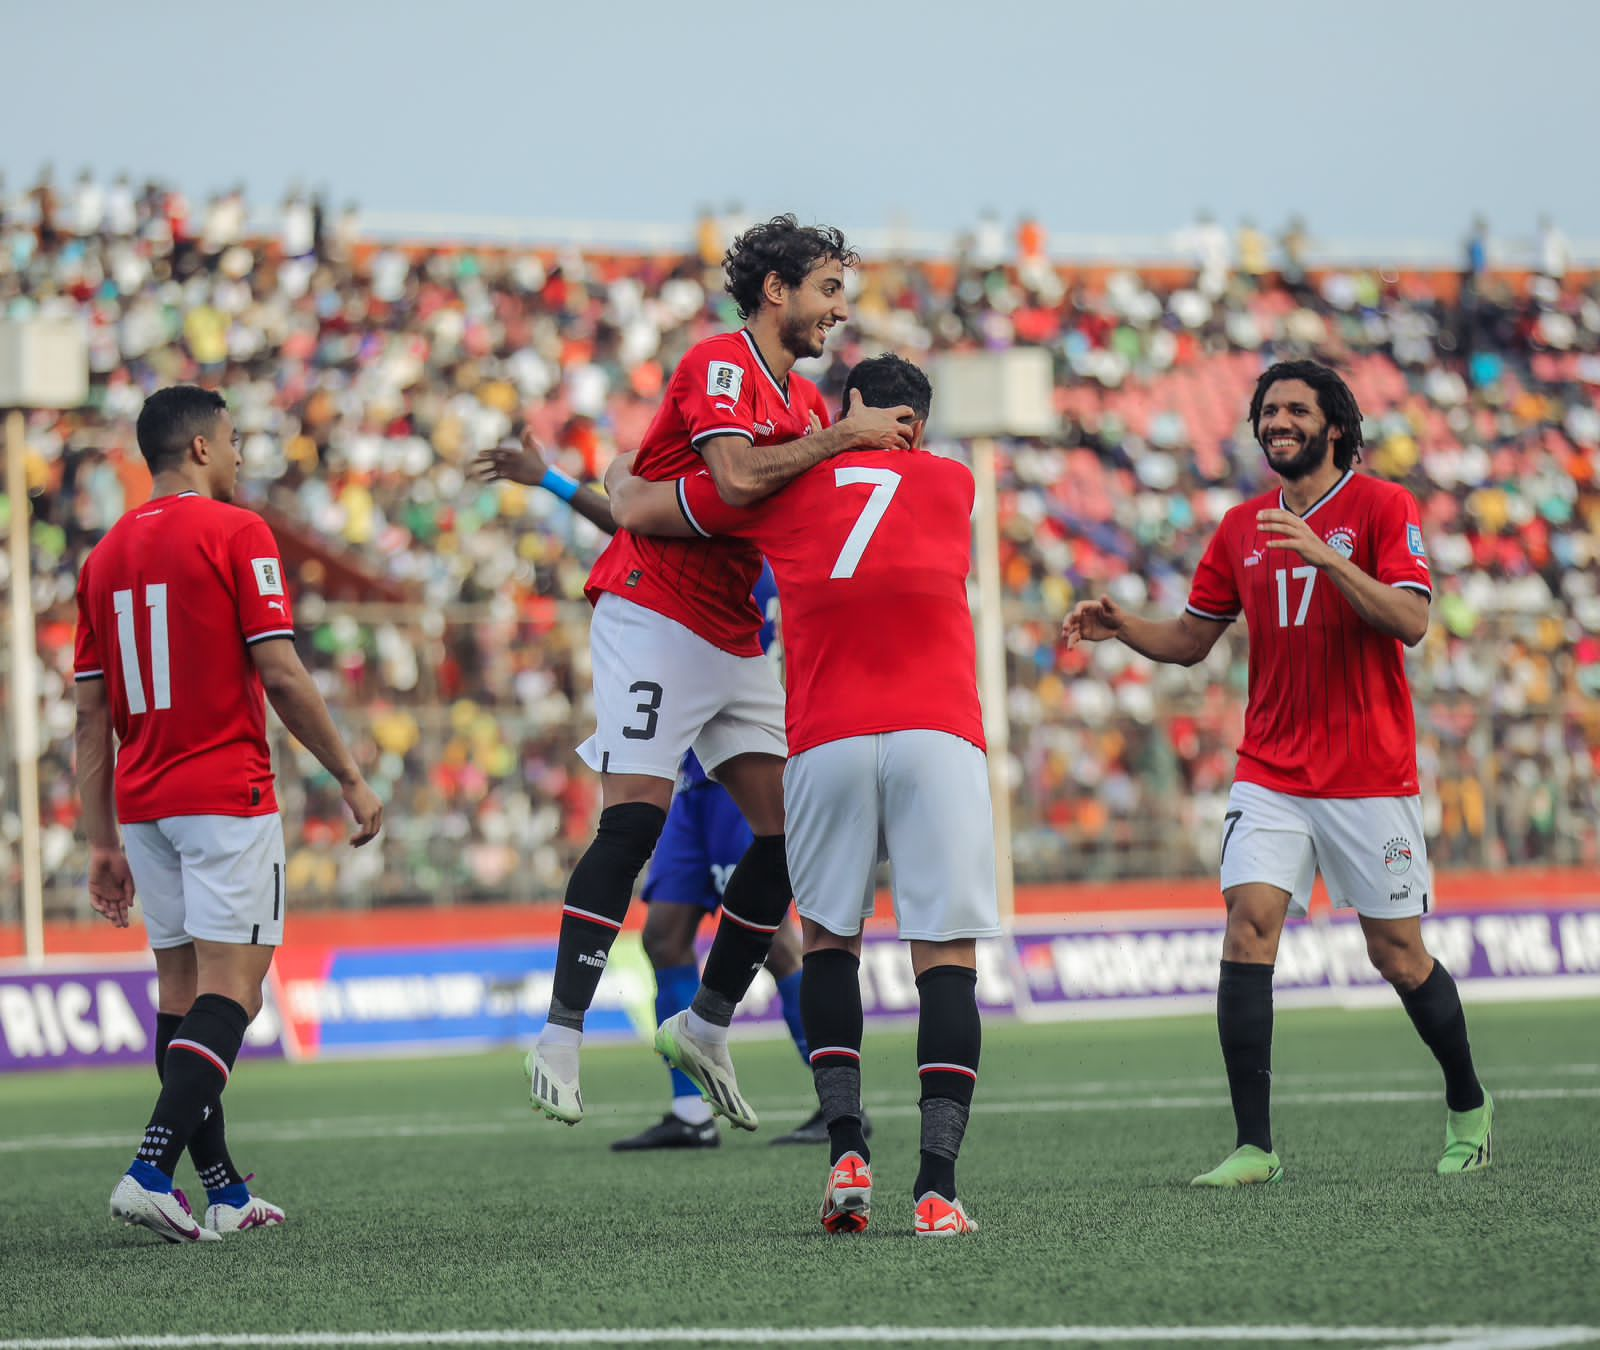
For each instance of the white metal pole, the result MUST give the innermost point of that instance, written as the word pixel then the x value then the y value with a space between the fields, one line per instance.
pixel 25 691
pixel 992 668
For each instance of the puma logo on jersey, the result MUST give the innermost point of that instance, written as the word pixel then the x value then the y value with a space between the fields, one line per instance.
pixel 765 428
pixel 277 605
pixel 1254 559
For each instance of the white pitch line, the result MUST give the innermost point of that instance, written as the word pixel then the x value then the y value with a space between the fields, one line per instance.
pixel 1398 1338
pixel 439 1127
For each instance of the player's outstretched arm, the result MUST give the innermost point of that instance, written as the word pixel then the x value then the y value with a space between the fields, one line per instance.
pixel 110 881
pixel 643 506
pixel 746 473
pixel 1184 641
pixel 295 698
pixel 529 466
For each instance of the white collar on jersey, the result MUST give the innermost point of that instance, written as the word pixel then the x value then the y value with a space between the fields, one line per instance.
pixel 783 389
pixel 1326 497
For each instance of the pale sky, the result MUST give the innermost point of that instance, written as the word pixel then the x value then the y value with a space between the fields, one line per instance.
pixel 1391 119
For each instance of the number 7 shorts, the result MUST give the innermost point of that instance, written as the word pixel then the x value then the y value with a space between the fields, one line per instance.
pixel 660 689
pixel 918 798
pixel 1370 850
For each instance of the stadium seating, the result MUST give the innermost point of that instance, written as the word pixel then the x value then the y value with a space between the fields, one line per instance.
pixel 364 376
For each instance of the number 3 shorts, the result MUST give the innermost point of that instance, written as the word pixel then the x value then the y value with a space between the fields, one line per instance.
pixel 660 689
pixel 1370 850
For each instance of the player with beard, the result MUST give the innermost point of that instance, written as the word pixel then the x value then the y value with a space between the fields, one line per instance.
pixel 1330 572
pixel 676 653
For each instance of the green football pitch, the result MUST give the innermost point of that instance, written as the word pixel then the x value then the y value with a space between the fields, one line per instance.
pixel 427 1205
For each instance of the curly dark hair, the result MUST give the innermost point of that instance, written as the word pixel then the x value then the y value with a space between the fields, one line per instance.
pixel 170 420
pixel 887 381
pixel 1334 398
pixel 782 245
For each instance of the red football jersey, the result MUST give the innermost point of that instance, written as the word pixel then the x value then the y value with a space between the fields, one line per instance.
pixel 871 551
pixel 1330 709
pixel 169 603
pixel 722 387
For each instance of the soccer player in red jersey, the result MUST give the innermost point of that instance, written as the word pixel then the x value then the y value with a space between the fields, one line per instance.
pixel 871 552
pixel 677 658
pixel 183 620
pixel 1331 575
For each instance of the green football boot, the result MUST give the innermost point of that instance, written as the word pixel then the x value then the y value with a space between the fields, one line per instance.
pixel 1247 1165
pixel 1468 1139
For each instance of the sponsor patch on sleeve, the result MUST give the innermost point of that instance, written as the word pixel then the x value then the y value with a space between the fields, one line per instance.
pixel 269 575
pixel 724 380
pixel 1414 541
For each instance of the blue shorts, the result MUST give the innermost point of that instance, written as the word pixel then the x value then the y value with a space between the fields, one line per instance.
pixel 700 845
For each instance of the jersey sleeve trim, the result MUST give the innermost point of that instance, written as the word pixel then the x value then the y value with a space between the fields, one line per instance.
pixel 1416 586
pixel 712 435
pixel 81 675
pixel 683 505
pixel 268 636
pixel 1215 618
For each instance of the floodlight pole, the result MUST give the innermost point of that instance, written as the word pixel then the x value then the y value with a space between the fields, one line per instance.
pixel 25 690
pixel 992 669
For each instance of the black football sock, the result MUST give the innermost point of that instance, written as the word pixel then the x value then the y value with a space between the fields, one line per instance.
pixel 208 1147
pixel 830 1004
pixel 1244 1025
pixel 1434 1007
pixel 199 1059
pixel 949 1038
pixel 598 894
pixel 753 907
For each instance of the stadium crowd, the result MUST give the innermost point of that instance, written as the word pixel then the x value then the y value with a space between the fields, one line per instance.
pixel 364 376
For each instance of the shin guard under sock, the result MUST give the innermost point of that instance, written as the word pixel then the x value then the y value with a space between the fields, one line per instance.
pixel 208 1146
pixel 1244 1026
pixel 1434 1007
pixel 598 894
pixel 830 1004
pixel 949 1040
pixel 198 1062
pixel 753 907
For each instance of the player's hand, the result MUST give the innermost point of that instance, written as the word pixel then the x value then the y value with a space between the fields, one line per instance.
pixel 1296 535
pixel 814 424
pixel 368 811
pixel 1092 621
pixel 877 428
pixel 524 464
pixel 110 884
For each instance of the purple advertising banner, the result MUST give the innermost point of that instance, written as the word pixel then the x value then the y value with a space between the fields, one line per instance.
pixel 63 1016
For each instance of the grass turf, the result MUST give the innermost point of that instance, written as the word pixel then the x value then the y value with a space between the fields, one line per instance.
pixel 423 1195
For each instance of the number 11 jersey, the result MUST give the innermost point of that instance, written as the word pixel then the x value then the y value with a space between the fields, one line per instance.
pixel 1329 713
pixel 169 603
pixel 871 551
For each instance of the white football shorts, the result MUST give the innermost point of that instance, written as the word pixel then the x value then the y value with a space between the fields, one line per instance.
pixel 918 798
pixel 1370 850
pixel 660 689
pixel 217 878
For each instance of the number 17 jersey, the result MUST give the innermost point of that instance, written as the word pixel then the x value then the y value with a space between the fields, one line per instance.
pixel 871 551
pixel 1329 713
pixel 169 603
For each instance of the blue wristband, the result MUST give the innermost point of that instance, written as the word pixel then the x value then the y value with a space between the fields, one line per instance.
pixel 563 485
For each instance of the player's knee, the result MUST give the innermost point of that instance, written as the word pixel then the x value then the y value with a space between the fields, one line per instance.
pixel 759 889
pixel 1404 965
pixel 628 832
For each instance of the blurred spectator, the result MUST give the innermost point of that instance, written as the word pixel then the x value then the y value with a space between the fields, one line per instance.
pixel 364 381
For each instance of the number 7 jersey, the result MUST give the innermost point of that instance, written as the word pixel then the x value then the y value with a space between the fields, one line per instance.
pixel 1330 711
pixel 871 551
pixel 169 603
